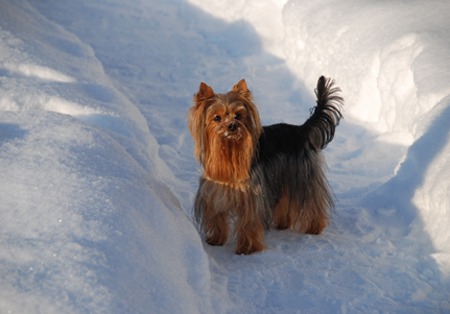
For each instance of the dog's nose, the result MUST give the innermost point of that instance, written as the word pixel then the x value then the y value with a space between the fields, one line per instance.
pixel 232 126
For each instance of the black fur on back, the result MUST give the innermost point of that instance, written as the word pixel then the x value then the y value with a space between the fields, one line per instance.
pixel 289 156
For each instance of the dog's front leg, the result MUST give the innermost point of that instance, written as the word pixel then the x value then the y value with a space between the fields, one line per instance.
pixel 250 232
pixel 216 227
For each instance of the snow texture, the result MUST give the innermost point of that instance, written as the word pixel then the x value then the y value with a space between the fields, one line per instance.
pixel 98 175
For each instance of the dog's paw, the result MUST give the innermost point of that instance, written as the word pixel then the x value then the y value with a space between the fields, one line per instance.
pixel 216 240
pixel 249 247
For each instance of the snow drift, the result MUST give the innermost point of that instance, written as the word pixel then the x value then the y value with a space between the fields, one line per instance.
pixel 72 147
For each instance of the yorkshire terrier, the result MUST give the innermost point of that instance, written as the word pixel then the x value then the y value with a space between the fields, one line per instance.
pixel 258 176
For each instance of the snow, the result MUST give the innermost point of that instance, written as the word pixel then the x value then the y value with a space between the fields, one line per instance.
pixel 98 174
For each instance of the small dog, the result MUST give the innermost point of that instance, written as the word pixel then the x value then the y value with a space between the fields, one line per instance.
pixel 260 176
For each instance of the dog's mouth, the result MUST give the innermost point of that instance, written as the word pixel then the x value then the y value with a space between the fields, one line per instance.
pixel 232 135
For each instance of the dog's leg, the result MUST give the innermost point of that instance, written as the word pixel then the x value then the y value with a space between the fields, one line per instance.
pixel 250 239
pixel 310 218
pixel 250 233
pixel 281 216
pixel 216 227
pixel 316 220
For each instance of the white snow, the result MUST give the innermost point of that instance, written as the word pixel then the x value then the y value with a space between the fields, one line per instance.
pixel 98 175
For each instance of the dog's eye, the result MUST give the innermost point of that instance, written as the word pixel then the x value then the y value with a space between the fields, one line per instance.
pixel 217 118
pixel 238 116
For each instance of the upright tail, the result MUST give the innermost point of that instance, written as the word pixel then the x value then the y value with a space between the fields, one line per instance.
pixel 326 115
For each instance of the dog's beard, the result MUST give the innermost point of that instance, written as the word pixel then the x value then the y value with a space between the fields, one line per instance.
pixel 229 156
pixel 228 136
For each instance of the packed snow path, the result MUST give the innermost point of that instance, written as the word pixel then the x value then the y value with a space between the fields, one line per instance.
pixel 98 175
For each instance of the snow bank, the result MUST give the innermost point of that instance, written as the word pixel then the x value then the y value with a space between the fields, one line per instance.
pixel 385 58
pixel 81 205
pixel 392 71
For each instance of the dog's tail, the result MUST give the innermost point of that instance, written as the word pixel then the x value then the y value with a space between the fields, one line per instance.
pixel 326 115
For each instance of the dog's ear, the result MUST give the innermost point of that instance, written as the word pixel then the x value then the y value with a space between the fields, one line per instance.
pixel 240 86
pixel 242 89
pixel 204 92
pixel 197 116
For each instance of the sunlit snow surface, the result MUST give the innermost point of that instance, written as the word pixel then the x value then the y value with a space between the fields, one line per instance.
pixel 98 175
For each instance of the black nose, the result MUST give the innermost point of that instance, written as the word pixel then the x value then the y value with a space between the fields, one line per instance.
pixel 232 127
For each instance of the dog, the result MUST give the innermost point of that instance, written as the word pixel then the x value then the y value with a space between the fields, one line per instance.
pixel 260 177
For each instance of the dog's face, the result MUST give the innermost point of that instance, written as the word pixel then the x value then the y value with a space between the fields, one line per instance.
pixel 228 119
pixel 225 117
pixel 225 129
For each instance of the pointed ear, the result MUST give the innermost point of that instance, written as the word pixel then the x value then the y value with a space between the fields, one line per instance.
pixel 241 86
pixel 242 89
pixel 204 92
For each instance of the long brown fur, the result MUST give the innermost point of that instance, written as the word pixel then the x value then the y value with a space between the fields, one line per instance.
pixel 258 177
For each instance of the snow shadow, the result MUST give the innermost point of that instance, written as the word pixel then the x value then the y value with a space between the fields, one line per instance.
pixel 11 132
pixel 399 191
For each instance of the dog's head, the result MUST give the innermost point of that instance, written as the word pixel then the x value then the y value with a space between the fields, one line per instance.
pixel 225 127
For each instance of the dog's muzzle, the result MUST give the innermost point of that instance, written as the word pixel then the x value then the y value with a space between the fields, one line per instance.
pixel 232 126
